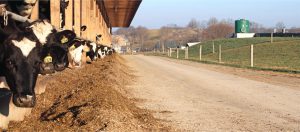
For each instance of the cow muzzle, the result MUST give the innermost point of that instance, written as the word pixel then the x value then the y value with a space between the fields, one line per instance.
pixel 59 67
pixel 47 68
pixel 26 101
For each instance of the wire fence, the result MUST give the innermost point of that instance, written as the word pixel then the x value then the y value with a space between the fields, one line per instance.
pixel 280 55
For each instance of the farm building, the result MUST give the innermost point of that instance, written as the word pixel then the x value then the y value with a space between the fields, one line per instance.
pixel 89 19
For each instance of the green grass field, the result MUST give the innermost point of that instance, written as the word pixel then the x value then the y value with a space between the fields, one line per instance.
pixel 283 54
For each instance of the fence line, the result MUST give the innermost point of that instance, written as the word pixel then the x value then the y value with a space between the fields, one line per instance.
pixel 243 56
pixel 186 53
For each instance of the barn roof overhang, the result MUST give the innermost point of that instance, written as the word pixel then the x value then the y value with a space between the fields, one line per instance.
pixel 121 12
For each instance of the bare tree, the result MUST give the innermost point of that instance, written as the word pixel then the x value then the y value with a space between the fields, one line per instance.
pixel 227 21
pixel 280 25
pixel 212 21
pixel 193 24
pixel 165 35
pixel 142 35
pixel 254 27
pixel 202 25
pixel 220 30
pixel 121 31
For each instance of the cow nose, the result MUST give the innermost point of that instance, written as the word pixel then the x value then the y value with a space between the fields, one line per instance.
pixel 27 101
pixel 47 68
pixel 59 67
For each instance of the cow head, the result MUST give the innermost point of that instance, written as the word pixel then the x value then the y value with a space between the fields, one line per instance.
pixel 100 51
pixel 20 64
pixel 22 7
pixel 75 52
pixel 55 45
pixel 21 60
pixel 110 51
pixel 92 50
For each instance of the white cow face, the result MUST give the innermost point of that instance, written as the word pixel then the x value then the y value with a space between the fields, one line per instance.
pixel 75 53
pixel 42 30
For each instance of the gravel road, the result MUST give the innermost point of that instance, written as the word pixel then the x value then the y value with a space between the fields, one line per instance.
pixel 193 97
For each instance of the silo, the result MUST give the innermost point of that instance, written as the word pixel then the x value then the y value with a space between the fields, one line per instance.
pixel 242 26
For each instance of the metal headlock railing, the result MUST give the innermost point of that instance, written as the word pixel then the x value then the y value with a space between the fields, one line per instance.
pixel 20 18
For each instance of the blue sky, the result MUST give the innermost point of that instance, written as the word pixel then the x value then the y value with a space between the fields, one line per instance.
pixel 157 13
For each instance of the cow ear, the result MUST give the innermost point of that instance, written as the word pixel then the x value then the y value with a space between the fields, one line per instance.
pixel 74 44
pixel 65 37
pixel 83 28
pixel 28 29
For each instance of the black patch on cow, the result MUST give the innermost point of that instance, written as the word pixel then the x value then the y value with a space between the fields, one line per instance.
pixel 20 71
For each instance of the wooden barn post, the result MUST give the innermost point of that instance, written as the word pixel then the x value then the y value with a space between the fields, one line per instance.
pixel 77 17
pixel 84 17
pixel 69 16
pixel 55 12
pixel 35 11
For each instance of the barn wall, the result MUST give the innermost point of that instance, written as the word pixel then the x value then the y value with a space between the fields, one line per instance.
pixel 79 13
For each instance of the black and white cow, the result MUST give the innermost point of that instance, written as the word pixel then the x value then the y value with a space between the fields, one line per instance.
pixel 104 51
pixel 75 53
pixel 110 51
pixel 92 51
pixel 56 51
pixel 9 26
pixel 57 47
pixel 21 60
pixel 20 64
pixel 101 51
pixel 82 51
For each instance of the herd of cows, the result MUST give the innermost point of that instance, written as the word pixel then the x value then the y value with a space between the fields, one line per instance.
pixel 29 49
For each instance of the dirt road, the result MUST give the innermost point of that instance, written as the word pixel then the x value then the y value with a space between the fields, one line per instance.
pixel 196 98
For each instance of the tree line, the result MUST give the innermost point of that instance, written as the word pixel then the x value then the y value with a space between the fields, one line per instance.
pixel 172 35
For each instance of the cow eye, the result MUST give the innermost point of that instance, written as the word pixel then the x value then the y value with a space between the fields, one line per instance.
pixel 30 4
pixel 37 63
pixel 9 64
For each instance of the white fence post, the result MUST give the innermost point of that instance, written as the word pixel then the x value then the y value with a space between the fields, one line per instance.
pixel 213 47
pixel 271 37
pixel 220 53
pixel 170 52
pixel 200 52
pixel 187 52
pixel 163 47
pixel 177 56
pixel 251 56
